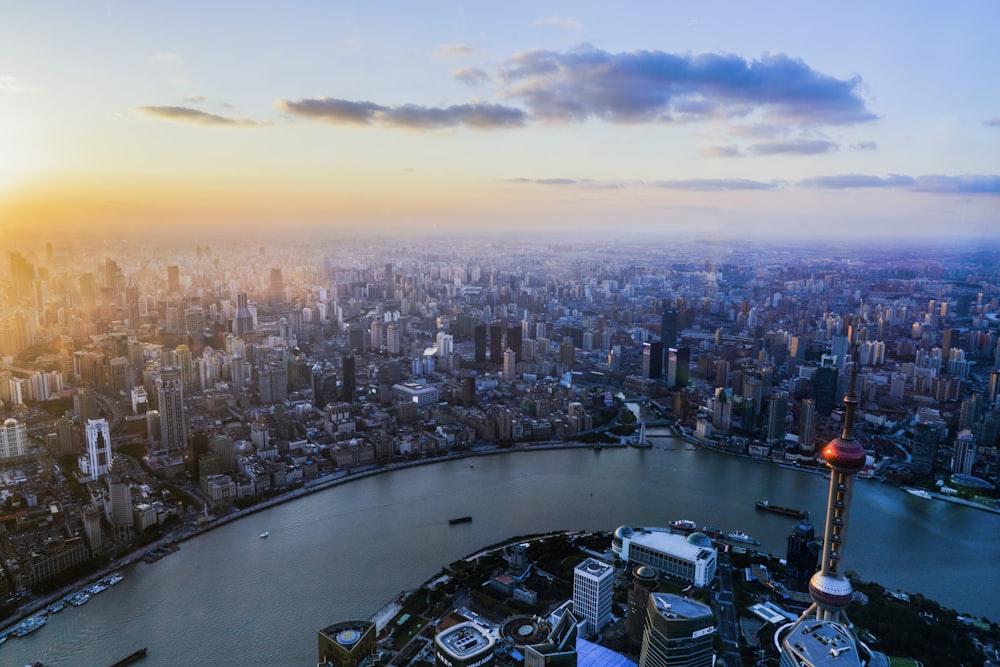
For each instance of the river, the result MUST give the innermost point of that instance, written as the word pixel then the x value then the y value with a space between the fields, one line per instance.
pixel 229 597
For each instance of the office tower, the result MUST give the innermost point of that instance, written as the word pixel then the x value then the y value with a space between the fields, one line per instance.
pixel 807 426
pixel 347 644
pixel 946 341
pixel 120 501
pixel 376 334
pixel 349 379
pixel 644 582
pixel 509 364
pixel 824 386
pixel 479 343
pixel 92 529
pixel 567 354
pixel 823 630
pixel 924 449
pixel 559 648
pixel 801 556
pixel 593 587
pixel 393 339
pixel 668 328
pixel 464 645
pixel 277 288
pixel 514 341
pixel 97 458
pixel 170 403
pixel 678 367
pixel 652 360
pixel 243 319
pixel 13 439
pixel 173 280
pixel 965 453
pixel 679 632
pixel 468 391
pixel 194 320
pixel 776 410
pixel 496 344
pixel 64 436
pixel 272 382
pixel 132 303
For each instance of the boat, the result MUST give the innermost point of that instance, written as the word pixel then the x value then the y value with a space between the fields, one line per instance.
pixel 919 493
pixel 112 579
pixel 29 625
pixel 684 525
pixel 96 588
pixel 56 607
pixel 714 533
pixel 264 535
pixel 768 506
pixel 131 657
pixel 461 519
pixel 740 536
pixel 79 598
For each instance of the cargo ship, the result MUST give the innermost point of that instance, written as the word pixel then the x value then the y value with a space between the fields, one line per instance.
pixel 768 506
pixel 461 519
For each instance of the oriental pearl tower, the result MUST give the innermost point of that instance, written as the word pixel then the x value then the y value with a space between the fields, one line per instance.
pixel 823 635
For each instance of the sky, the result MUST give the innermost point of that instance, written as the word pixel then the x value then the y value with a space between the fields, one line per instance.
pixel 663 119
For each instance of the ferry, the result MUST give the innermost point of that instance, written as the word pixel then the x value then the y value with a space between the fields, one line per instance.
pixel 96 588
pixel 112 579
pixel 740 536
pixel 685 525
pixel 461 519
pixel 56 607
pixel 919 493
pixel 264 535
pixel 768 506
pixel 29 625
pixel 79 598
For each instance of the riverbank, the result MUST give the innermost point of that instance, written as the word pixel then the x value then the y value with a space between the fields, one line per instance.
pixel 35 605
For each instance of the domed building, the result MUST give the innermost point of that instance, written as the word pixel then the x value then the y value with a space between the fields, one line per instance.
pixel 692 558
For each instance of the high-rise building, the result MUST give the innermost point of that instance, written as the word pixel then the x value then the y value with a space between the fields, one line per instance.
pixel 678 366
pixel 170 402
pixel 119 501
pixel 559 649
pixel 464 645
pixel 132 303
pixel 652 360
pixel 243 318
pixel 824 386
pixel 567 354
pixel 644 581
pixel 924 449
pixel 97 458
pixel 13 439
pixel 509 364
pixel 393 339
pixel 593 587
pixel 679 632
pixel 277 288
pixel 776 411
pixel 173 280
pixel 496 343
pixel 514 341
pixel 668 328
pixel 479 343
pixel 801 555
pixel 807 426
pixel 347 644
pixel 349 379
pixel 965 453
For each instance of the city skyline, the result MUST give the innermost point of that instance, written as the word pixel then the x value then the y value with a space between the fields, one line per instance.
pixel 718 121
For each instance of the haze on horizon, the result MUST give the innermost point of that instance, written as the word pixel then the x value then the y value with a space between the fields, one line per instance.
pixel 727 120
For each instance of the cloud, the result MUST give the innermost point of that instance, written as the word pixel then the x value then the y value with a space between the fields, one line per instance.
pixel 864 146
pixel 10 84
pixel 844 181
pixel 992 122
pixel 561 22
pixel 654 86
pixel 966 184
pixel 719 184
pixel 454 51
pixel 472 76
pixel 166 57
pixel 794 147
pixel 721 151
pixel 195 99
pixel 409 116
pixel 582 182
pixel 196 117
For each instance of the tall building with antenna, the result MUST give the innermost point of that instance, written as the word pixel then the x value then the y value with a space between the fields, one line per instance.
pixel 823 635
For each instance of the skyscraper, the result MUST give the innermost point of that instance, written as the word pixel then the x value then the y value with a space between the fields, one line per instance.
pixel 593 587
pixel 678 366
pixel 349 379
pixel 173 280
pixel 243 318
pixel 170 402
pixel 965 453
pixel 679 632
pixel 277 288
pixel 132 303
pixel 97 458
pixel 668 328
pixel 479 343
pixel 807 425
pixel 652 360
pixel 801 555
pixel 776 410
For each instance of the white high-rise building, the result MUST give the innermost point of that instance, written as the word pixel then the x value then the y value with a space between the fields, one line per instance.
pixel 97 458
pixel 13 439
pixel 593 587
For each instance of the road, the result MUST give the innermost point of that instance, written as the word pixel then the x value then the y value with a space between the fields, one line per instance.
pixel 726 614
